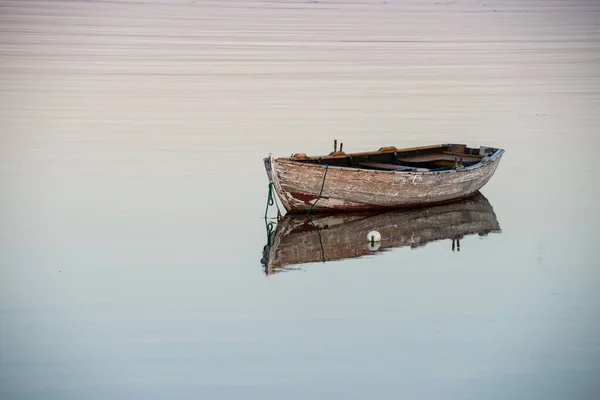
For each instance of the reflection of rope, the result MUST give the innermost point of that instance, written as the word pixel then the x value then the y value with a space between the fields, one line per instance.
pixel 269 231
pixel 320 241
pixel 267 248
pixel 320 193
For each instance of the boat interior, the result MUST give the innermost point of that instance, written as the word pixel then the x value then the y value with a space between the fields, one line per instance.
pixel 427 158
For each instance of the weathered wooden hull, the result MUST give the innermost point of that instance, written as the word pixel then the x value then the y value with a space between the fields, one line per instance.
pixel 353 189
pixel 299 239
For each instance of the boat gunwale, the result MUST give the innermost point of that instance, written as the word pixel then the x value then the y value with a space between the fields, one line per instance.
pixel 491 158
pixel 383 150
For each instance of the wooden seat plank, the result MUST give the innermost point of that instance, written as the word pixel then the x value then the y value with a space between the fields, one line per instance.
pixel 426 158
pixel 389 167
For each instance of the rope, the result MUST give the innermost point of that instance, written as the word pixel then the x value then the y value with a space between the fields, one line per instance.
pixel 270 199
pixel 320 193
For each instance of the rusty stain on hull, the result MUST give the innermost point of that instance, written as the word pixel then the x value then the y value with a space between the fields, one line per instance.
pixel 307 198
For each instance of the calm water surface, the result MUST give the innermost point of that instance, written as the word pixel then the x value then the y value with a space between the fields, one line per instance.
pixel 131 231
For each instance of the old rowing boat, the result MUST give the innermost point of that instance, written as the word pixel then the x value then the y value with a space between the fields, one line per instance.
pixel 298 239
pixel 382 179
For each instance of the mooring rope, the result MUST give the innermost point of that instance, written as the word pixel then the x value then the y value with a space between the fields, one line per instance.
pixel 320 193
pixel 270 199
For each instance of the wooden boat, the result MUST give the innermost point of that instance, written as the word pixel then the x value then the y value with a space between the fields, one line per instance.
pixel 298 239
pixel 382 179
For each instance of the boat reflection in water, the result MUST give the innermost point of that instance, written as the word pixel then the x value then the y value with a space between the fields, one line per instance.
pixel 299 240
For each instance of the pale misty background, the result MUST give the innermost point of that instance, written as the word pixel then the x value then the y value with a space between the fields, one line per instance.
pixel 133 190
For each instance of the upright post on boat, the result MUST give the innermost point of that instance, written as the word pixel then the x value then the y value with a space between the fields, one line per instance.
pixel 334 145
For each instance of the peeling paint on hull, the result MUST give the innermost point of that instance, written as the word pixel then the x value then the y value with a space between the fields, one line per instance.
pixel 352 189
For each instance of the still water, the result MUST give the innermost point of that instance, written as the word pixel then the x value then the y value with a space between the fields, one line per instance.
pixel 133 192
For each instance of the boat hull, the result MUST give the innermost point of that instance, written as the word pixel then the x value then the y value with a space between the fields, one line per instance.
pixel 302 186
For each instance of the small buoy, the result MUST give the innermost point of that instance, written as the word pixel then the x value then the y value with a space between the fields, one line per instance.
pixel 373 246
pixel 374 236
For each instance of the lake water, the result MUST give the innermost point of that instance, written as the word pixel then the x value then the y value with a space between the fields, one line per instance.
pixel 133 192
